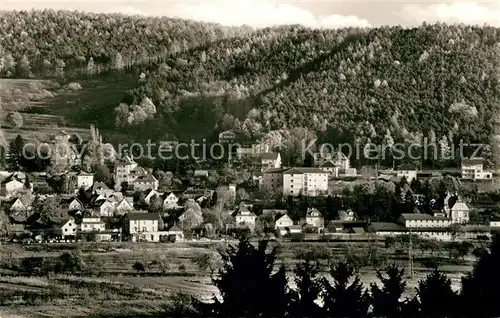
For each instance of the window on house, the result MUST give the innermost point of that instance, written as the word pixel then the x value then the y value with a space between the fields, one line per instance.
pixel 152 237
pixel 135 229
pixel 144 229
pixel 65 230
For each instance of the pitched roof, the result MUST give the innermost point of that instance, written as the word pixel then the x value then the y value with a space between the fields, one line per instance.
pixel 170 137
pixel 85 174
pixel 269 156
pixel 142 216
pixel 145 178
pixel 274 170
pixel 407 167
pixel 387 227
pixel 126 160
pixel 281 216
pixel 328 164
pixel 302 170
pixel 422 216
pixel 472 161
pixel 175 228
pixel 313 210
pixel 100 186
pixel 244 212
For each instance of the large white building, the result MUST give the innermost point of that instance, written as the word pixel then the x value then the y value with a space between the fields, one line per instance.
pixel 305 181
pixel 296 181
pixel 458 212
pixel 123 172
pixel 423 220
pixel 408 171
pixel 472 169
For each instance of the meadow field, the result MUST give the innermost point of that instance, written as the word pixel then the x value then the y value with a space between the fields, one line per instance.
pixel 112 285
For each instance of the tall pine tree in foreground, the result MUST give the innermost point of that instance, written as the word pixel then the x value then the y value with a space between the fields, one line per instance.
pixel 480 295
pixel 386 298
pixel 308 289
pixel 247 284
pixel 345 295
pixel 436 297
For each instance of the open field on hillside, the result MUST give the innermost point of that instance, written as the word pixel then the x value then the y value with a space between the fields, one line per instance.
pixel 115 287
pixel 47 107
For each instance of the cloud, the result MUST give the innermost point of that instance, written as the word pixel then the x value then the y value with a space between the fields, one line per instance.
pixel 256 13
pixel 260 13
pixel 460 12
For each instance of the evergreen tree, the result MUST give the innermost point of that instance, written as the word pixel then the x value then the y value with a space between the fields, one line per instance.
pixel 436 297
pixel 386 299
pixel 479 288
pixel 16 157
pixel 247 285
pixel 308 290
pixel 342 299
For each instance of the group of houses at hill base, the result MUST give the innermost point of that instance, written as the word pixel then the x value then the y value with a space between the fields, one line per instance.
pixel 106 212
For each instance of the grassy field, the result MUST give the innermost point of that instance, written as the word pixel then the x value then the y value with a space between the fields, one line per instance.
pixel 47 107
pixel 115 287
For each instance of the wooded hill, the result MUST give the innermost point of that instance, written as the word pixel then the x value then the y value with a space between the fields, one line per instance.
pixel 386 84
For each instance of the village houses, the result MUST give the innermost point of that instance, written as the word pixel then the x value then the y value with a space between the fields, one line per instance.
pixel 408 171
pixel 270 160
pixel 84 180
pixel 245 218
pixel 314 218
pixel 472 169
pixel 92 223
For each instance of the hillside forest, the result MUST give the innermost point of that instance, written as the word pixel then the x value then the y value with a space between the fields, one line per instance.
pixel 435 83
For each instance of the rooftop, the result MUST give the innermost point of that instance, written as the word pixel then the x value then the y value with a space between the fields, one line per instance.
pixel 269 156
pixel 142 216
pixel 387 227
pixel 328 164
pixel 303 170
pixel 145 178
pixel 422 216
pixel 472 161
pixel 407 167
pixel 175 228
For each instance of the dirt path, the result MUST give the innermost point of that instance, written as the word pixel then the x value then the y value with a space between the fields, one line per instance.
pixel 21 287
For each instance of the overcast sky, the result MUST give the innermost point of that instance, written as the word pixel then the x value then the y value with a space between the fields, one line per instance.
pixel 320 13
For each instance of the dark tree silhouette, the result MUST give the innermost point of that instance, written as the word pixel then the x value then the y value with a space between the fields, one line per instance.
pixel 308 290
pixel 16 158
pixel 436 298
pixel 386 299
pixel 247 284
pixel 480 287
pixel 342 299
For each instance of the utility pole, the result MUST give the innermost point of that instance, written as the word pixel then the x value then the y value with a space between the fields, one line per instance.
pixel 410 255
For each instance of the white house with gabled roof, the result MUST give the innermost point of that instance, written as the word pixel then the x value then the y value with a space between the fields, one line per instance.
pixel 171 202
pixel 314 218
pixel 84 180
pixel 151 193
pixel 270 160
pixel 408 171
pixel 330 167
